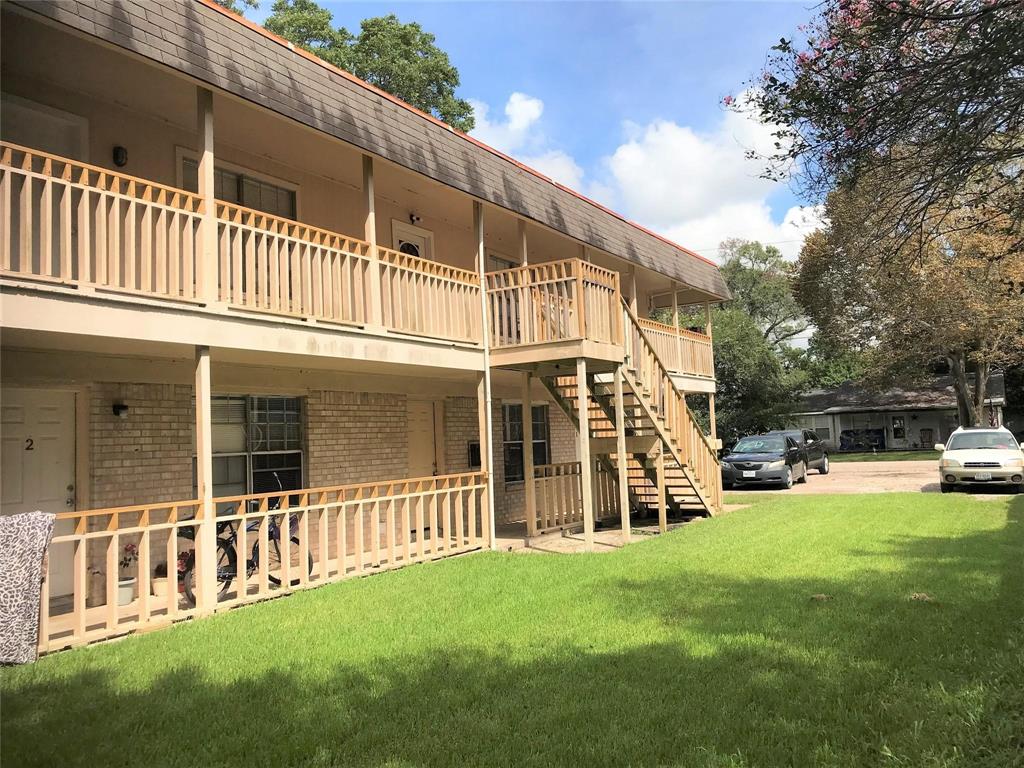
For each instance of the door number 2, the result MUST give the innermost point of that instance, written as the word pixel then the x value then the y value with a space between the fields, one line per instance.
pixel 29 445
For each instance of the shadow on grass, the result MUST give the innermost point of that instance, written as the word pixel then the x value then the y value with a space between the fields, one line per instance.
pixel 746 673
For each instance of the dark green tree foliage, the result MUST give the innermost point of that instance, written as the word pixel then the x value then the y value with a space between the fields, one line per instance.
pixel 761 280
pixel 402 59
pixel 755 393
pixel 238 6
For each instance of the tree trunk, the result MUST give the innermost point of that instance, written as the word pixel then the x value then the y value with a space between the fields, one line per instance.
pixel 981 375
pixel 969 416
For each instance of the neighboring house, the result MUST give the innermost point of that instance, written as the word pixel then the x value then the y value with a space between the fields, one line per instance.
pixel 237 279
pixel 852 418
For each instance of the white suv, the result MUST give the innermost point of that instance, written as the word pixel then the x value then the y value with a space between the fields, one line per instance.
pixel 982 455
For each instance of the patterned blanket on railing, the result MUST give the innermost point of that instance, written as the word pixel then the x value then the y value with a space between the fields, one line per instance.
pixel 23 542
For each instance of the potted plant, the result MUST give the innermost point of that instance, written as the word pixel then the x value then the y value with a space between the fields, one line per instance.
pixel 126 584
pixel 160 580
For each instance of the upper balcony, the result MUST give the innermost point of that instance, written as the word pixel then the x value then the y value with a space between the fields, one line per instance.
pixel 98 232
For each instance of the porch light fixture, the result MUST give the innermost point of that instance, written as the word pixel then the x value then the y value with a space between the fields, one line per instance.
pixel 414 219
pixel 120 410
pixel 120 156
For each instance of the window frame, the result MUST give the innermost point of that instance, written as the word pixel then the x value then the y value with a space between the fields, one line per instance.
pixel 248 453
pixel 185 153
pixel 505 442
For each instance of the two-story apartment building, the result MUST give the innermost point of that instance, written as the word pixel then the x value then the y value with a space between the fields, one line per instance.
pixel 236 281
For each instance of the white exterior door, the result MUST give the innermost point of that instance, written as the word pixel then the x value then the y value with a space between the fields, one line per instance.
pixel 421 438
pixel 38 465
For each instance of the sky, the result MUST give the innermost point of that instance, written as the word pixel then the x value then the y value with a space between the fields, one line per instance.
pixel 623 103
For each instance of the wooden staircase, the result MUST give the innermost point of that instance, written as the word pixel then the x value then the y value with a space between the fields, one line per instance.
pixel 659 427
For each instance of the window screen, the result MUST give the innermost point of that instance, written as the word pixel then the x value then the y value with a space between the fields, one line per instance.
pixel 512 434
pixel 239 188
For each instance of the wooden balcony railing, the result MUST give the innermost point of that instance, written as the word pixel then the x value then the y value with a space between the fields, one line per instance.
pixel 79 225
pixel 553 301
pixel 322 535
pixel 428 298
pixel 270 264
pixel 558 492
pixel 681 350
pixel 76 224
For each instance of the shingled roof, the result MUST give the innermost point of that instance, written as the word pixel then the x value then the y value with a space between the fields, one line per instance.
pixel 230 53
pixel 854 398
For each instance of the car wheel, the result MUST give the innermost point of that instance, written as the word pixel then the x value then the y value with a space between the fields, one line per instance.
pixel 803 474
pixel 823 469
pixel 788 482
pixel 946 487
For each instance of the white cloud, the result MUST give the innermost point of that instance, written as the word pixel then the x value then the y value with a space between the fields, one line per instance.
pixel 557 165
pixel 697 188
pixel 520 134
pixel 516 131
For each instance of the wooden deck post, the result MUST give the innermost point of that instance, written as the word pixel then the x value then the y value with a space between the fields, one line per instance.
pixel 586 470
pixel 528 479
pixel 711 395
pixel 374 302
pixel 208 256
pixel 659 465
pixel 632 290
pixel 484 384
pixel 675 326
pixel 206 532
pixel 620 449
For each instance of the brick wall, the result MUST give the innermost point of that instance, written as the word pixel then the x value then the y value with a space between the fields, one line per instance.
pixel 355 437
pixel 147 455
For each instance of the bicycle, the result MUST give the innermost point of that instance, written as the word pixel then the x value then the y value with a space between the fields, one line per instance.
pixel 227 559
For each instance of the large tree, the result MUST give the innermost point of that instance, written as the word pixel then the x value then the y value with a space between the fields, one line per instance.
pixel 929 89
pixel 402 59
pixel 956 295
pixel 755 393
pixel 760 280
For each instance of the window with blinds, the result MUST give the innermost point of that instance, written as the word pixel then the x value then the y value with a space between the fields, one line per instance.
pixel 242 189
pixel 257 444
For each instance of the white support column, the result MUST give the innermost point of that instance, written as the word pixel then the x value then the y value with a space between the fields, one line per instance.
pixel 659 465
pixel 620 449
pixel 528 480
pixel 632 290
pixel 207 272
pixel 524 254
pixel 586 471
pixel 206 533
pixel 374 301
pixel 484 385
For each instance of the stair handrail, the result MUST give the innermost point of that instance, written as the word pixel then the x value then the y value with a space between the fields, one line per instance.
pixel 668 376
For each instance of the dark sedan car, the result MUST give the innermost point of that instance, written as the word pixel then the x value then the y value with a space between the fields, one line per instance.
pixel 767 459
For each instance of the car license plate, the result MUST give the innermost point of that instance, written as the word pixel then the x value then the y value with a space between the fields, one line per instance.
pixel 983 476
pixel 749 473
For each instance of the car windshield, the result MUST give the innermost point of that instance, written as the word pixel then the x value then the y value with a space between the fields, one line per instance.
pixel 769 444
pixel 967 441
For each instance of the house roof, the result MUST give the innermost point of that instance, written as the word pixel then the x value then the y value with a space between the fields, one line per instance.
pixel 851 397
pixel 224 50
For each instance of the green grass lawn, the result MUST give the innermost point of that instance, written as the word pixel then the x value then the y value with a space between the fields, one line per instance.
pixel 887 456
pixel 703 647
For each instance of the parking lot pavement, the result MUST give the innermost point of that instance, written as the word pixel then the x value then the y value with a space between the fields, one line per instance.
pixel 871 477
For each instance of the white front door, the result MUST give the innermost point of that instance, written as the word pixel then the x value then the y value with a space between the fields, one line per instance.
pixel 421 438
pixel 412 240
pixel 38 465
